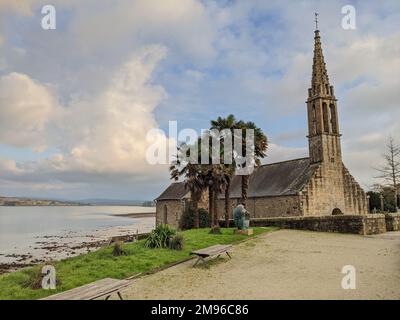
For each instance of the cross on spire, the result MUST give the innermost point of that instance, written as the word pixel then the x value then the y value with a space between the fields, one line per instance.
pixel 316 20
pixel 319 73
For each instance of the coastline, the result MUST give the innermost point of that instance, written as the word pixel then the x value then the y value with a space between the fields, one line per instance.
pixel 135 215
pixel 72 243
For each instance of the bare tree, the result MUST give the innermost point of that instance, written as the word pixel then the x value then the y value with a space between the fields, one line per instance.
pixel 390 171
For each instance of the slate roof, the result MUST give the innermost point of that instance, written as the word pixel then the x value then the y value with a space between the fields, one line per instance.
pixel 276 179
pixel 175 191
pixel 270 180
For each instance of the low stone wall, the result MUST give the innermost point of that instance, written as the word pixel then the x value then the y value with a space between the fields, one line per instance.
pixel 392 221
pixel 356 224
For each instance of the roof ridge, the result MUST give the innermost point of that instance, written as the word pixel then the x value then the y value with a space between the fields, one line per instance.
pixel 269 164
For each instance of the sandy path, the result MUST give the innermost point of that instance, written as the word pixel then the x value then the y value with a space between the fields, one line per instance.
pixel 286 264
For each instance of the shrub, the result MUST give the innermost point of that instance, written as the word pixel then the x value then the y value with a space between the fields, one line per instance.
pixel 204 217
pixel 34 280
pixel 215 230
pixel 374 201
pixel 176 242
pixel 160 236
pixel 389 203
pixel 35 277
pixel 187 219
pixel 118 249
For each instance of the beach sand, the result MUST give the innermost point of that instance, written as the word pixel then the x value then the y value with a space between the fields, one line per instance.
pixel 286 264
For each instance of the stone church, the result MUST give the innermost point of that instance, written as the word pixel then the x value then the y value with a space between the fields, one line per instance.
pixel 319 185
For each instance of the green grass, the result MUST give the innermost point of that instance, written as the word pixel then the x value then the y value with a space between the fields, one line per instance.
pixel 86 268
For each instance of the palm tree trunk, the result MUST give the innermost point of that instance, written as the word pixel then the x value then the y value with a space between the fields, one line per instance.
pixel 215 198
pixel 245 187
pixel 211 204
pixel 196 214
pixel 227 202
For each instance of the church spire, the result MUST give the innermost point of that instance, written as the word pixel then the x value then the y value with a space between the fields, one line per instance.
pixel 323 125
pixel 320 80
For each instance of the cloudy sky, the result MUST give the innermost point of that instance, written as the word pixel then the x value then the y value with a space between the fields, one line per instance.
pixel 76 103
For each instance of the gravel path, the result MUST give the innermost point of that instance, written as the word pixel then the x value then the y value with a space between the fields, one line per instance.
pixel 285 264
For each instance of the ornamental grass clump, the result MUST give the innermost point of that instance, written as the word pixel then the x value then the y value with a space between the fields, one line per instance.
pixel 215 230
pixel 160 237
pixel 35 278
pixel 118 249
pixel 176 242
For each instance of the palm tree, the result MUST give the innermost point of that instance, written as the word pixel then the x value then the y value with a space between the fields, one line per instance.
pixel 194 182
pixel 260 148
pixel 228 170
pixel 216 181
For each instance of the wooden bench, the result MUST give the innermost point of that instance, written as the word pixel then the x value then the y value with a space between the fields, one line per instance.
pixel 212 251
pixel 91 291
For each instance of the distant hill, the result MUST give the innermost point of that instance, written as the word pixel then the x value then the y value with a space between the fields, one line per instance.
pixel 116 202
pixel 19 202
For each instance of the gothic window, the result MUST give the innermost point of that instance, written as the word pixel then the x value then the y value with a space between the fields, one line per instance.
pixel 327 89
pixel 333 118
pixel 314 120
pixel 325 116
pixel 165 214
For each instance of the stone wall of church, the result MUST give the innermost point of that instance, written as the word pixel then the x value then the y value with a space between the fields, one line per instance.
pixel 325 191
pixel 355 197
pixel 283 206
pixel 332 187
pixel 175 208
pixel 169 212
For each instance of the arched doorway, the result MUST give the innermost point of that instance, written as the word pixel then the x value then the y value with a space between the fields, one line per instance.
pixel 165 221
pixel 336 212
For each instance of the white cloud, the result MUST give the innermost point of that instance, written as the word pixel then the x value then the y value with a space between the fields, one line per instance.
pixel 25 109
pixel 22 7
pixel 278 153
pixel 103 135
pixel 182 25
pixel 107 133
pixel 2 59
pixel 8 165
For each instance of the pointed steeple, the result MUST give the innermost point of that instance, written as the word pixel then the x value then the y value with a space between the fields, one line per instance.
pixel 323 125
pixel 319 73
pixel 320 85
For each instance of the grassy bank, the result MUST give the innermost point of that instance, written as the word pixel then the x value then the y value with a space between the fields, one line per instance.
pixel 77 271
